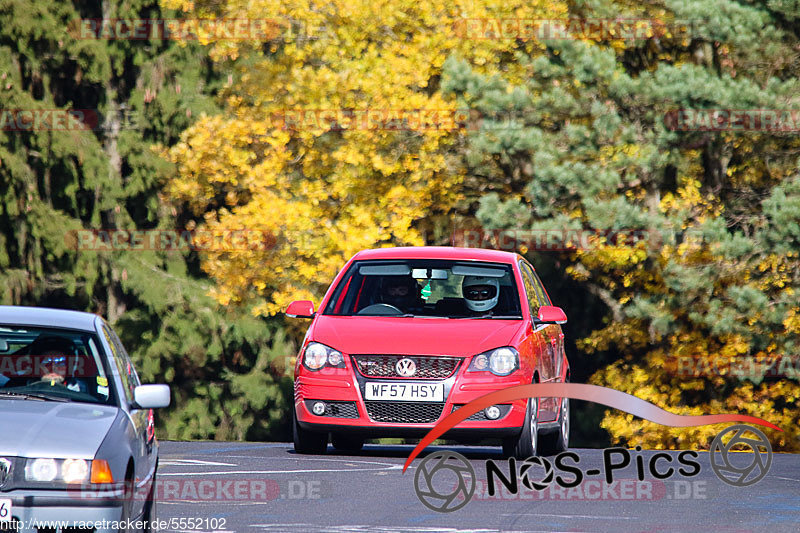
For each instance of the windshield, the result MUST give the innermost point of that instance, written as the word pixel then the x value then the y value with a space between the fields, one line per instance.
pixel 52 364
pixel 428 288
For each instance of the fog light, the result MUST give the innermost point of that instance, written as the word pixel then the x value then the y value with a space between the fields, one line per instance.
pixel 492 412
pixel 319 408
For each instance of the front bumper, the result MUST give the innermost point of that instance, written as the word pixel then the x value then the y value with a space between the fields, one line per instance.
pixel 39 509
pixel 347 385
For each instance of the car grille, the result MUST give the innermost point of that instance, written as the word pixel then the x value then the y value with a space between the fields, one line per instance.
pixel 427 367
pixel 404 412
pixel 336 408
pixel 7 471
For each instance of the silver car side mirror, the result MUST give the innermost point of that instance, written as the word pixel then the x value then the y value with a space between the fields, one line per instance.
pixel 151 396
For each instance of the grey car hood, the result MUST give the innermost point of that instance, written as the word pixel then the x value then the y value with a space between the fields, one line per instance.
pixel 32 428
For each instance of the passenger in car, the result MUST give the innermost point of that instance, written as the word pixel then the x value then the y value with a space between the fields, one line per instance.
pixel 481 294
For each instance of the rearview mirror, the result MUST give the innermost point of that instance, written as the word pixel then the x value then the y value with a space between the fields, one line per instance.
pixel 151 396
pixel 429 273
pixel 550 314
pixel 301 309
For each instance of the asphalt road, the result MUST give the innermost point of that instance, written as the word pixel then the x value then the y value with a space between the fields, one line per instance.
pixel 252 487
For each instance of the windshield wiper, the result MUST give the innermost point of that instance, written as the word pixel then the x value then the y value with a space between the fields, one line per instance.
pixel 488 315
pixel 406 315
pixel 34 395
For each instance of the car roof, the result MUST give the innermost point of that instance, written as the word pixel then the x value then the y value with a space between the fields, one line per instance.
pixel 13 315
pixel 438 252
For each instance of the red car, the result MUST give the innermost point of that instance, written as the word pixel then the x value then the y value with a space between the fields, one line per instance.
pixel 404 336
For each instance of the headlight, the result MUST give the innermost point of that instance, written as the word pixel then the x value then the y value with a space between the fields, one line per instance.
pixel 500 361
pixel 59 470
pixel 74 470
pixel 317 355
pixel 41 470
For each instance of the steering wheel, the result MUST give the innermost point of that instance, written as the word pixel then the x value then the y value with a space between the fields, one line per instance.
pixel 43 383
pixel 380 310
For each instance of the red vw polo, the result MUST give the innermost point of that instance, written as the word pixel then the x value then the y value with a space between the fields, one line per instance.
pixel 405 336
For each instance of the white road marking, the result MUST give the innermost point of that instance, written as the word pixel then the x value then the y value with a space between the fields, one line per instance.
pixel 787 479
pixel 227 503
pixel 388 529
pixel 573 516
pixel 381 467
pixel 304 471
pixel 192 462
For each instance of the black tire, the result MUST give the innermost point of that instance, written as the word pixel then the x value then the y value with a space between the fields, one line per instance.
pixel 127 502
pixel 308 442
pixel 346 443
pixel 557 441
pixel 150 515
pixel 527 443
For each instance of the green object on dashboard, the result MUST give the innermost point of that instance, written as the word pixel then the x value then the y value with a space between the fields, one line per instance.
pixel 426 291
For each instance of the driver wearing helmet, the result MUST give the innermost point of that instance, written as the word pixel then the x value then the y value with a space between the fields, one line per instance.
pixel 481 294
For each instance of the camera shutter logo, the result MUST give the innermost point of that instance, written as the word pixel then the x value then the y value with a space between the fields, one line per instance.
pixel 455 486
pixel 735 475
pixel 5 470
pixel 406 367
pixel 546 479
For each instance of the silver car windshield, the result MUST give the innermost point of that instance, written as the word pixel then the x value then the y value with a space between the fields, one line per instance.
pixel 52 364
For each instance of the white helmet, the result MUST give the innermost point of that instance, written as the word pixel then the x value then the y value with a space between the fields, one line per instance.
pixel 480 293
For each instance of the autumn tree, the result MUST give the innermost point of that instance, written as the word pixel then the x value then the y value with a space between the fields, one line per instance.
pixel 225 367
pixel 590 141
pixel 327 192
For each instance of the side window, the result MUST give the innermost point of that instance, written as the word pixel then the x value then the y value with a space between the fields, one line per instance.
pixel 121 364
pixel 133 377
pixel 530 289
pixel 543 298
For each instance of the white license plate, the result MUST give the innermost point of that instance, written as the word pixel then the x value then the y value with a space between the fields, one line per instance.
pixel 5 510
pixel 405 392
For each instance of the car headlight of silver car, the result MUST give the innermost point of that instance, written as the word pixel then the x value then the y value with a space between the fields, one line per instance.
pixel 317 355
pixel 48 469
pixel 500 361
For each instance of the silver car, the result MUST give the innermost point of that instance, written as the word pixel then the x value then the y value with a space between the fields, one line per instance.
pixel 77 436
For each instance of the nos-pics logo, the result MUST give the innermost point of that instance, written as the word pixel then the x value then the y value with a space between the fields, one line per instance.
pixel 445 481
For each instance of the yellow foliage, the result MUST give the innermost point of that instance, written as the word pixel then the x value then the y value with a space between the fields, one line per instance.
pixel 327 194
pixel 774 401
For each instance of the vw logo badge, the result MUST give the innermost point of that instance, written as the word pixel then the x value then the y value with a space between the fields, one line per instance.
pixel 5 470
pixel 406 367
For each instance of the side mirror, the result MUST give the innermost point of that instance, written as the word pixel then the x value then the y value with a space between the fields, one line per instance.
pixel 550 314
pixel 151 396
pixel 301 309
